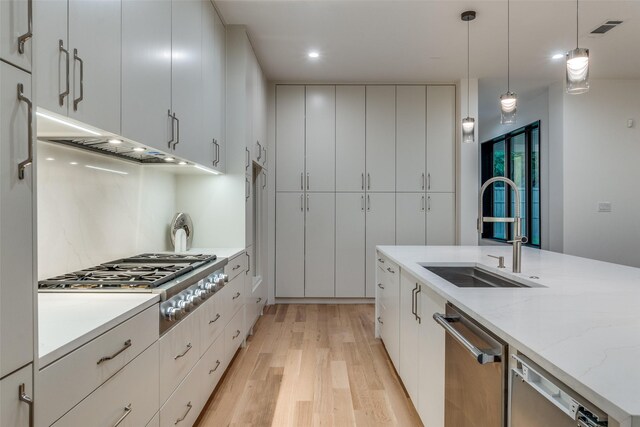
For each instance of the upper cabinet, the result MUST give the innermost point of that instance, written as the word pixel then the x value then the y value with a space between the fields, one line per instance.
pixel 441 113
pixel 320 138
pixel 381 138
pixel 411 138
pixel 16 32
pixel 290 133
pixel 350 138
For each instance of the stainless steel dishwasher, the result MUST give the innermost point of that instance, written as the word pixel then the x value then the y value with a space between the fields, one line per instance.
pixel 475 373
pixel 538 399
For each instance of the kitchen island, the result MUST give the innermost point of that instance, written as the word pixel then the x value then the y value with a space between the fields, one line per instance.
pixel 578 319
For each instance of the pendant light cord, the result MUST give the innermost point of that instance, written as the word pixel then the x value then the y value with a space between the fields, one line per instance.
pixel 509 47
pixel 468 72
pixel 577 21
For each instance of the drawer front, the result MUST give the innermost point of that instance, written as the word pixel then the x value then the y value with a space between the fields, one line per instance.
pixel 179 352
pixel 214 366
pixel 122 343
pixel 233 334
pixel 184 405
pixel 381 323
pixel 235 266
pixel 212 321
pixel 13 411
pixel 130 397
pixel 381 260
pixel 234 297
pixel 155 421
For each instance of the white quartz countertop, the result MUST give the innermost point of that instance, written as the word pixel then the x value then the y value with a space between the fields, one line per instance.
pixel 66 321
pixel 220 252
pixel 583 326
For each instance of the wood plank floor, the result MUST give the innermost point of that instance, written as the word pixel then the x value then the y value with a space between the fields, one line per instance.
pixel 311 365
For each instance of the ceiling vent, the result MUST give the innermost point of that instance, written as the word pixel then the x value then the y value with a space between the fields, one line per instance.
pixel 605 28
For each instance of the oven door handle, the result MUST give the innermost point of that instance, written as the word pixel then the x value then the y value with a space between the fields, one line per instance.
pixel 482 357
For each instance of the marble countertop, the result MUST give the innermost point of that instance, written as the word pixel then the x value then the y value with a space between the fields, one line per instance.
pixel 582 322
pixel 66 321
pixel 220 252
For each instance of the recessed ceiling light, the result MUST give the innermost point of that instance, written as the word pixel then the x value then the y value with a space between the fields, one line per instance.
pixel 115 141
pixel 314 54
pixel 73 163
pixel 138 149
pixel 49 159
pixel 558 56
pixel 169 159
pixel 182 163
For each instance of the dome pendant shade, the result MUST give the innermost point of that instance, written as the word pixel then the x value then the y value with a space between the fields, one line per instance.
pixel 578 71
pixel 508 108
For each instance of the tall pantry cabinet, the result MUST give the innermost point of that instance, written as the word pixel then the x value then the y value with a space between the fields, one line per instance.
pixel 359 166
pixel 17 230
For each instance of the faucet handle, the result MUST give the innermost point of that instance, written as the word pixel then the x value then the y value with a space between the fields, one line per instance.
pixel 521 239
pixel 500 260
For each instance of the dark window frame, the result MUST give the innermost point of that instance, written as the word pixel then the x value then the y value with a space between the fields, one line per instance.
pixel 487 170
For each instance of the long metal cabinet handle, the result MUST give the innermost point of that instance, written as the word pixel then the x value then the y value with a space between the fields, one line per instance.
pixel 264 184
pixel 368 203
pixel 429 203
pixel 248 265
pixel 422 208
pixel 482 357
pixel 301 203
pixel 182 418
pixel 259 150
pixel 126 345
pixel 215 319
pixel 302 180
pixel 79 99
pixel 423 180
pixel 264 162
pixel 413 300
pixel 307 180
pixel 127 411
pixel 64 94
pixel 429 181
pixel 211 371
pixel 24 397
pixel 26 36
pixel 23 164
pixel 418 318
pixel 368 181
pixel 184 353
pixel 215 151
pixel 307 203
pixel 177 131
pixel 362 203
pixel 173 136
pixel 248 153
pixel 362 180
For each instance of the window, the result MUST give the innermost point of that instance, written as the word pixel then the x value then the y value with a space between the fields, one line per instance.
pixel 515 155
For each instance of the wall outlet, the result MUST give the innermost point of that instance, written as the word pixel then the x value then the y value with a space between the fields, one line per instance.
pixel 604 206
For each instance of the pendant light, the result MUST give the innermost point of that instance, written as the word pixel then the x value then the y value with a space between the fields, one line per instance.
pixel 508 100
pixel 577 66
pixel 468 123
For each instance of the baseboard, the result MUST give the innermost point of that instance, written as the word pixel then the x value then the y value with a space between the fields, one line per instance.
pixel 325 300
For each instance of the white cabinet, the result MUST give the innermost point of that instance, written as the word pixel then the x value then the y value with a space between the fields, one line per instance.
pixel 410 322
pixel 320 138
pixel 184 405
pixel 388 298
pixel 381 138
pixel 290 134
pixel 410 218
pixel 441 219
pixel 146 72
pixel 441 113
pixel 411 138
pixel 15 33
pixel 350 138
pixel 380 230
pixel 290 245
pixel 233 334
pixel 17 281
pixel 95 41
pixel 319 250
pixel 350 244
pixel 13 411
pixel 213 367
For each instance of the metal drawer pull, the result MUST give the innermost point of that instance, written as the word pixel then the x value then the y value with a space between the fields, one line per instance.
pixel 248 158
pixel 259 150
pixel 381 260
pixel 127 344
pixel 172 128
pixel 127 411
pixel 211 371
pixel 179 420
pixel 26 36
pixel 390 270
pixel 236 267
pixel 236 335
pixel 482 357
pixel 236 295
pixel 380 321
pixel 64 94
pixel 259 300
pixel 380 286
pixel 264 185
pixel 24 397
pixel 189 347
pixel 413 300
pixel 79 99
pixel 248 265
pixel 177 131
pixel 23 164
pixel 216 319
pixel 418 290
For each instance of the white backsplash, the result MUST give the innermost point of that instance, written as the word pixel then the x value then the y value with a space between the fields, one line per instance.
pixel 88 216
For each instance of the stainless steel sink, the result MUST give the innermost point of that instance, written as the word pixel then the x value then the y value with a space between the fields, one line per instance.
pixel 473 277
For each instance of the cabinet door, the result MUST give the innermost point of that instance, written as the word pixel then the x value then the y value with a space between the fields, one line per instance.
pixel 14 412
pixel 350 138
pixel 186 81
pixel 14 24
pixel 146 72
pixel 381 138
pixel 17 282
pixel 441 113
pixel 321 138
pixel 411 138
pixel 219 80
pixel 350 245
pixel 380 230
pixel 431 338
pixel 410 218
pixel 289 138
pixel 95 31
pixel 320 245
pixel 289 245
pixel 409 334
pixel 50 19
pixel 441 219
pixel 212 119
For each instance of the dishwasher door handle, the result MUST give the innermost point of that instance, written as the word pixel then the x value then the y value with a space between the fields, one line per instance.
pixel 481 356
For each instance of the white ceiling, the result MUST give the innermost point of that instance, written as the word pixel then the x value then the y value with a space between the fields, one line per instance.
pixel 425 41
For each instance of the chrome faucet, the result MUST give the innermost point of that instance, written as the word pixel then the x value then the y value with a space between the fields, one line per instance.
pixel 518 239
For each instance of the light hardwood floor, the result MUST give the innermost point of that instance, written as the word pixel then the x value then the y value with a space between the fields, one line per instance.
pixel 311 365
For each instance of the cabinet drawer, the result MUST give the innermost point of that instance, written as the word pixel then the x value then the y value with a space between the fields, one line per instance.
pixel 235 266
pixel 214 366
pixel 184 405
pixel 155 421
pixel 380 321
pixel 14 412
pixel 233 335
pixel 179 352
pixel 130 397
pixel 233 297
pixel 381 260
pixel 89 365
pixel 213 317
